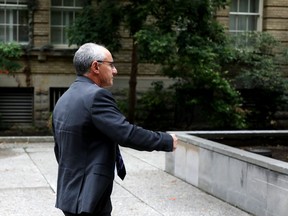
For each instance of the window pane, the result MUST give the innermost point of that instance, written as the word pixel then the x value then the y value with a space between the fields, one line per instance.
pixel 232 22
pixel 68 3
pixel 79 3
pixel 254 6
pixel 65 37
pixel 56 35
pixel 56 18
pixel 252 23
pixel 2 15
pixel 11 1
pixel 22 2
pixel 8 15
pixel 15 17
pixel 23 33
pixel 66 18
pixel 9 33
pixel 15 33
pixel 233 7
pixel 56 3
pixel 70 19
pixel 243 6
pixel 242 23
pixel 23 17
pixel 2 34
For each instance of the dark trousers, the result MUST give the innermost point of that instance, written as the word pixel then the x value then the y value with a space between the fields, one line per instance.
pixel 106 211
pixel 70 214
pixel 85 214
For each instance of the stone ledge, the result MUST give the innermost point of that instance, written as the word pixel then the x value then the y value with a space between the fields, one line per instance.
pixel 26 139
pixel 254 183
pixel 265 162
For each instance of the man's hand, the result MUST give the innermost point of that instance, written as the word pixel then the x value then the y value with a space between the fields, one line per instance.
pixel 175 141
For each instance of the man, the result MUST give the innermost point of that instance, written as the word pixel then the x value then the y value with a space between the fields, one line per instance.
pixel 88 127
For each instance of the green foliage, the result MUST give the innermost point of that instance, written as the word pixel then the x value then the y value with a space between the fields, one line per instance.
pixel 122 100
pixel 192 47
pixel 135 15
pixel 9 52
pixel 218 101
pixel 97 24
pixel 186 39
pixel 155 108
pixel 156 44
pixel 258 58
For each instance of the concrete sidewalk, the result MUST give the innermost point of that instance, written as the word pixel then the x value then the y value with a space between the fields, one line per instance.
pixel 28 174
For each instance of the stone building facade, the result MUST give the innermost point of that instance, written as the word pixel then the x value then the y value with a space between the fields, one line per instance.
pixel 270 16
pixel 27 97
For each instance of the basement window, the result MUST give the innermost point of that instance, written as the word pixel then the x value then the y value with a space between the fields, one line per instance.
pixel 16 105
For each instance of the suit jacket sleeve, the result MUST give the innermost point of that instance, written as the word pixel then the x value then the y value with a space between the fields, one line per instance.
pixel 109 120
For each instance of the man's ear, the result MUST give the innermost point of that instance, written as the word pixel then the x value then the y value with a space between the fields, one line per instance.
pixel 95 67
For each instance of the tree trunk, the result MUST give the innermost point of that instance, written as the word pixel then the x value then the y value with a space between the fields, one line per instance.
pixel 132 84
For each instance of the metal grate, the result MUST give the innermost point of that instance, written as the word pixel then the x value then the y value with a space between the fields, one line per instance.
pixel 55 94
pixel 16 105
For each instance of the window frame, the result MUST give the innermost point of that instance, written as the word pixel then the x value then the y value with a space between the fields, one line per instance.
pixel 237 14
pixel 63 9
pixel 9 8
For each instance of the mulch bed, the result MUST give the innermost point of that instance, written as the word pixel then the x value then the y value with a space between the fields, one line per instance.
pixel 276 146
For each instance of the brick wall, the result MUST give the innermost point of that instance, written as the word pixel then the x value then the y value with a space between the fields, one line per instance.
pixel 275 19
pixel 42 24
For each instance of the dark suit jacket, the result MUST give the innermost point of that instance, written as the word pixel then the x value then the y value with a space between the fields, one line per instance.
pixel 87 126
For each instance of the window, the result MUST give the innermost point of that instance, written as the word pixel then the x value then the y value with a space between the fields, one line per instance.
pixel 16 105
pixel 63 13
pixel 245 16
pixel 14 21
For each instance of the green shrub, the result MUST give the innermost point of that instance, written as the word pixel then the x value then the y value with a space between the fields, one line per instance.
pixel 9 53
pixel 155 108
pixel 259 78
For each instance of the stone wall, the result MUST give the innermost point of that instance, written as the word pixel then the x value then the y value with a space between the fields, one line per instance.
pixel 254 183
pixel 275 19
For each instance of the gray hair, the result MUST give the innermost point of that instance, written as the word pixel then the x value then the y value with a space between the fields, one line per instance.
pixel 85 55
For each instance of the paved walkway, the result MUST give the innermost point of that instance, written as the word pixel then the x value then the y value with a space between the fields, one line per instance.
pixel 28 181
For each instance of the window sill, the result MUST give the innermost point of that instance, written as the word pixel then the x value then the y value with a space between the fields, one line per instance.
pixel 50 50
